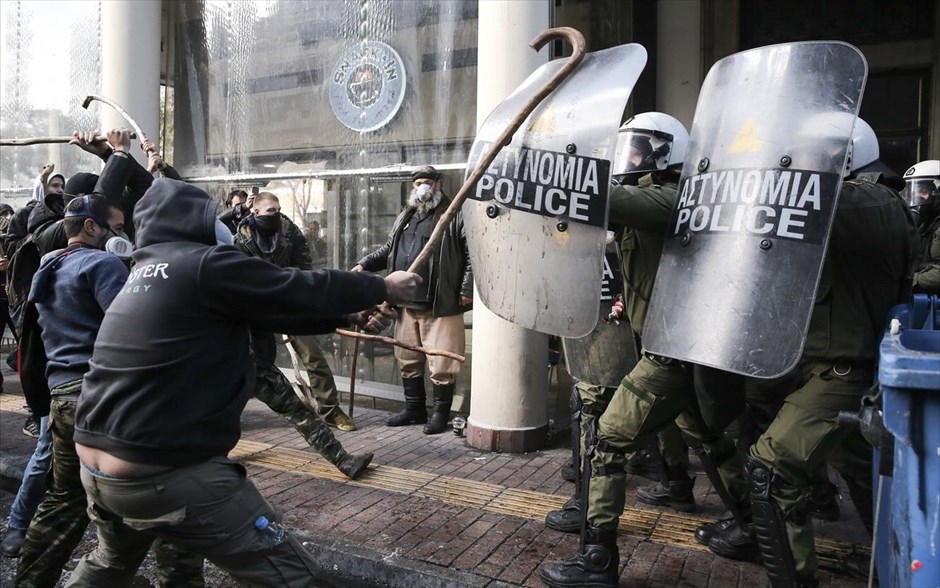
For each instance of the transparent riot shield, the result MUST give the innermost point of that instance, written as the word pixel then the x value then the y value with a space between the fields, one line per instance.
pixel 747 240
pixel 538 216
pixel 608 353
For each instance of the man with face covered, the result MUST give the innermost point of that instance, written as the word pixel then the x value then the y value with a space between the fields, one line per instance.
pixel 71 291
pixel 236 209
pixel 922 192
pixel 269 235
pixel 434 317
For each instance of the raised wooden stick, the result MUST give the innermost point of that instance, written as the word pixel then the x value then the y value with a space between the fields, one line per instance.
pixel 402 344
pixel 34 141
pixel 577 42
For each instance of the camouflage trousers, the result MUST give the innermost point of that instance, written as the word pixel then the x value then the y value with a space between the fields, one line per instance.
pixel 273 389
pixel 322 384
pixel 62 517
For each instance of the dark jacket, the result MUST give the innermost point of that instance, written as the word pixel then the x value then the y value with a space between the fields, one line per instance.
pixel 292 249
pixel 170 373
pixel 449 267
pixel 867 271
pixel 17 230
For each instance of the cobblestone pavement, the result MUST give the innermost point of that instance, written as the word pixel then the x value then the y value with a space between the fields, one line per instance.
pixel 435 502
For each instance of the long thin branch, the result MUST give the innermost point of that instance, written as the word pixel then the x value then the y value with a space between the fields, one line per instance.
pixel 402 344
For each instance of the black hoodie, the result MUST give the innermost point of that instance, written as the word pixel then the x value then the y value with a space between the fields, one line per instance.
pixel 170 374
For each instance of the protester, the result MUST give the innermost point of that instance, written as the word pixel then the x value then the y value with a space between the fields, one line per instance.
pixel 71 292
pixel 156 422
pixel 434 317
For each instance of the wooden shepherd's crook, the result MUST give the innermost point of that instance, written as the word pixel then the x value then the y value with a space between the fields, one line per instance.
pixel 577 42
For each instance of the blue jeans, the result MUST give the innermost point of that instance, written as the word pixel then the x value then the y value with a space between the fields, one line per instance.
pixel 33 486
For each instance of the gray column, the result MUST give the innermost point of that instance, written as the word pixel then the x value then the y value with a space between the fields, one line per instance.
pixel 130 65
pixel 509 378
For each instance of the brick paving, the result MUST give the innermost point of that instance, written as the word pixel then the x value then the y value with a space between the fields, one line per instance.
pixel 444 533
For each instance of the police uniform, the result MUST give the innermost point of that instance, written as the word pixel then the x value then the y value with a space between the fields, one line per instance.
pixel 650 397
pixel 866 272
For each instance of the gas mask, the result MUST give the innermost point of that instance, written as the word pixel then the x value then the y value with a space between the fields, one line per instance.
pixel 424 193
pixel 120 246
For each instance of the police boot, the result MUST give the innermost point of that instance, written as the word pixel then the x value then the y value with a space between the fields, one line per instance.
pixel 735 542
pixel 677 494
pixel 443 398
pixel 354 465
pixel 568 471
pixel 595 566
pixel 568 518
pixel 704 533
pixel 415 412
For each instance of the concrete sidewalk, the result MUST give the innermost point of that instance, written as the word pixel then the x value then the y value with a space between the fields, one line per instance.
pixel 432 511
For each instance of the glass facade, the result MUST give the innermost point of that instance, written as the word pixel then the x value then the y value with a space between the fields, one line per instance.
pixel 49 61
pixel 323 104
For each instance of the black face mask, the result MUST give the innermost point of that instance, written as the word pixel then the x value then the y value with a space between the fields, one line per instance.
pixel 268 223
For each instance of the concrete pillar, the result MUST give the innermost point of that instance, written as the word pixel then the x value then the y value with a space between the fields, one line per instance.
pixel 678 65
pixel 130 65
pixel 509 376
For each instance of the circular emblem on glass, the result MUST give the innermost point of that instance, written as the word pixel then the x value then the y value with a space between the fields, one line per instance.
pixel 367 86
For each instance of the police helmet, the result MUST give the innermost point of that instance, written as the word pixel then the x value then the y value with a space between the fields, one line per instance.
pixel 922 182
pixel 648 142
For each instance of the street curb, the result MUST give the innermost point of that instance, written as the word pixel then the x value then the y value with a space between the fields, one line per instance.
pixel 344 562
pixel 11 474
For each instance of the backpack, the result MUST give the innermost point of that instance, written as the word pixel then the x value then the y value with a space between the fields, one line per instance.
pixel 20 272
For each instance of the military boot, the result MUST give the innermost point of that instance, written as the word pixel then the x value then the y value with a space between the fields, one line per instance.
pixel 595 566
pixel 704 533
pixel 677 494
pixel 568 518
pixel 568 472
pixel 354 465
pixel 415 412
pixel 736 542
pixel 443 398
pixel 641 463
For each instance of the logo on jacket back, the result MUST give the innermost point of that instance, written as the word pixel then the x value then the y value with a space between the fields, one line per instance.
pixel 368 86
pixel 151 270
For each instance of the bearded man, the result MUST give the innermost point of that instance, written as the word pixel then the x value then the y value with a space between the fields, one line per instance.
pixel 434 316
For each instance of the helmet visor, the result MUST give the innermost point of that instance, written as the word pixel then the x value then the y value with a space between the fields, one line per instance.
pixel 639 150
pixel 919 190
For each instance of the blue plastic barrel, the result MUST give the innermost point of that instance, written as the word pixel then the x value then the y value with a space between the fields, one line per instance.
pixel 908 543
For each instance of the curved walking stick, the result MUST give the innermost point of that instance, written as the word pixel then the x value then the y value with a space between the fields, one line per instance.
pixel 401 344
pixel 44 140
pixel 140 132
pixel 577 42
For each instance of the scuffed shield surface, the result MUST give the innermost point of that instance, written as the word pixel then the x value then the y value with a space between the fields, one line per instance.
pixel 608 353
pixel 747 239
pixel 537 220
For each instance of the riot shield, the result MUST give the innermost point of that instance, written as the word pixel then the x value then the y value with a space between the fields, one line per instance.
pixel 539 215
pixel 748 235
pixel 608 353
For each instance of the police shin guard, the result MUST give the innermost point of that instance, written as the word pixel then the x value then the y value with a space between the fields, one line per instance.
pixel 771 530
pixel 568 519
pixel 415 412
pixel 443 398
pixel 569 471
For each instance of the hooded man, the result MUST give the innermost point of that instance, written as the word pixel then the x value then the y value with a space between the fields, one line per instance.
pixel 434 316
pixel 157 421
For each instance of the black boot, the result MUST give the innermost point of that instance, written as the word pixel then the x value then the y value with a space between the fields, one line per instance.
pixel 595 566
pixel 415 412
pixel 443 398
pixel 568 518
pixel 678 494
pixel 641 463
pixel 704 533
pixel 735 542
